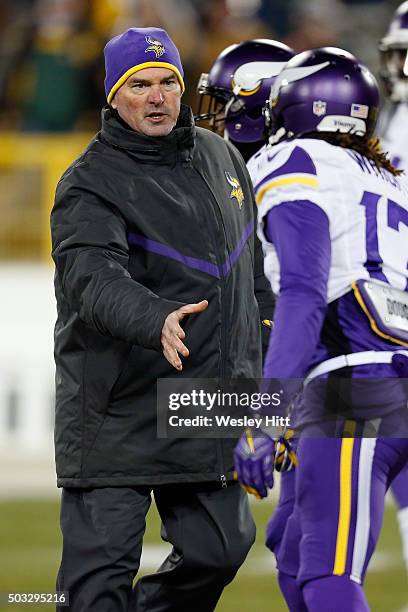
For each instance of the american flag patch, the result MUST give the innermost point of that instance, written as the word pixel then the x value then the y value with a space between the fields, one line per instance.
pixel 359 110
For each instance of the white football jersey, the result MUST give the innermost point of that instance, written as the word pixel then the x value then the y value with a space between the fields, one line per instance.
pixel 367 209
pixel 393 132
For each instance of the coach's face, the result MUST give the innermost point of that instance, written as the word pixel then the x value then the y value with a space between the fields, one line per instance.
pixel 149 101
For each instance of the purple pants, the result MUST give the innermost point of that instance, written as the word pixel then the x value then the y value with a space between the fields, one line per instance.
pixel 339 503
pixel 277 523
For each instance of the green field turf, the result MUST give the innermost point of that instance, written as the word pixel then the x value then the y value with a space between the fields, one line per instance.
pixel 30 540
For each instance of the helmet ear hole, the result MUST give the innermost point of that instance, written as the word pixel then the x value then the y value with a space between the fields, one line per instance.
pixel 255 113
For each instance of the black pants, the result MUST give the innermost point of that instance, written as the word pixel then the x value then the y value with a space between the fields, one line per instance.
pixel 211 530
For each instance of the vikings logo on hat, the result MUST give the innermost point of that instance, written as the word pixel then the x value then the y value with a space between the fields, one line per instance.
pixel 236 192
pixel 156 46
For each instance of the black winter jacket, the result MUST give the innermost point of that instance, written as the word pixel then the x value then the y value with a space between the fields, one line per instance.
pixel 141 226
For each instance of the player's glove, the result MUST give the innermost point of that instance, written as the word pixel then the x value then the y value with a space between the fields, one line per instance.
pixel 253 458
pixel 285 453
pixel 256 457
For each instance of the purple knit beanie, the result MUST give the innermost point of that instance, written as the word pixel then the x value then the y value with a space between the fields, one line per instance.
pixel 139 48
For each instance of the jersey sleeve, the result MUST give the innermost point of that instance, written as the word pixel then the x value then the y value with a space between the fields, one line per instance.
pixel 282 173
pixel 299 231
pixel 286 175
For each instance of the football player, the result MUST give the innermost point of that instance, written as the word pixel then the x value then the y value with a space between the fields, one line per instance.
pixel 394 135
pixel 333 219
pixel 232 96
pixel 393 124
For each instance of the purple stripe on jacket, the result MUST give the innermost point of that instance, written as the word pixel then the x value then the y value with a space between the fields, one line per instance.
pixel 233 257
pixel 193 262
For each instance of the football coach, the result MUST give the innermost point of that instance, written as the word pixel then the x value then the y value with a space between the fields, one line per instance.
pixel 158 275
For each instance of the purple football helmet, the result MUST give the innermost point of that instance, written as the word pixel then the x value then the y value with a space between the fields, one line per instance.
pixel 323 90
pixel 238 86
pixel 394 56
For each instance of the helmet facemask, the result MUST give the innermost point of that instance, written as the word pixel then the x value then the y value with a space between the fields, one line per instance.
pixel 394 72
pixel 393 49
pixel 216 105
pixel 274 132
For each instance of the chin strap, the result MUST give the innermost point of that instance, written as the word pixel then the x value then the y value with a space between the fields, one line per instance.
pixel 277 137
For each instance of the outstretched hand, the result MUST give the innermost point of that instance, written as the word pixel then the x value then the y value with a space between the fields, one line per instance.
pixel 173 334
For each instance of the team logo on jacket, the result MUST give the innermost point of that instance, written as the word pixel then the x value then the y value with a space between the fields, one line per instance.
pixel 319 107
pixel 236 192
pixel 156 46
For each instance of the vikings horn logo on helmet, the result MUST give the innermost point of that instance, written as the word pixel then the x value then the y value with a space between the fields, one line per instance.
pixel 291 75
pixel 248 77
pixel 156 46
pixel 236 192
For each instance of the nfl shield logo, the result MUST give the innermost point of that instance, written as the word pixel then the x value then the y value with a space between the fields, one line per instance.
pixel 319 107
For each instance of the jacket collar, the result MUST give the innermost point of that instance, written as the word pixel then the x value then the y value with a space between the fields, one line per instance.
pixel 179 144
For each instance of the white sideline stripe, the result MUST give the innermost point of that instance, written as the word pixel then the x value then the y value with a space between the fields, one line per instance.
pixel 264 563
pixel 259 564
pixel 383 561
pixel 153 555
pixel 402 518
pixel 363 508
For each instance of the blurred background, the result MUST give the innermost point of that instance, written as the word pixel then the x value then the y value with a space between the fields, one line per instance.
pixel 51 92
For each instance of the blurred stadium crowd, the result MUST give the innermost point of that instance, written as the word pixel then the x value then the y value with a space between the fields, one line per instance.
pixel 52 72
pixel 51 65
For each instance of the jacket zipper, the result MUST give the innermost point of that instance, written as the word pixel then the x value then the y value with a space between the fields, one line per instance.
pixel 218 214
